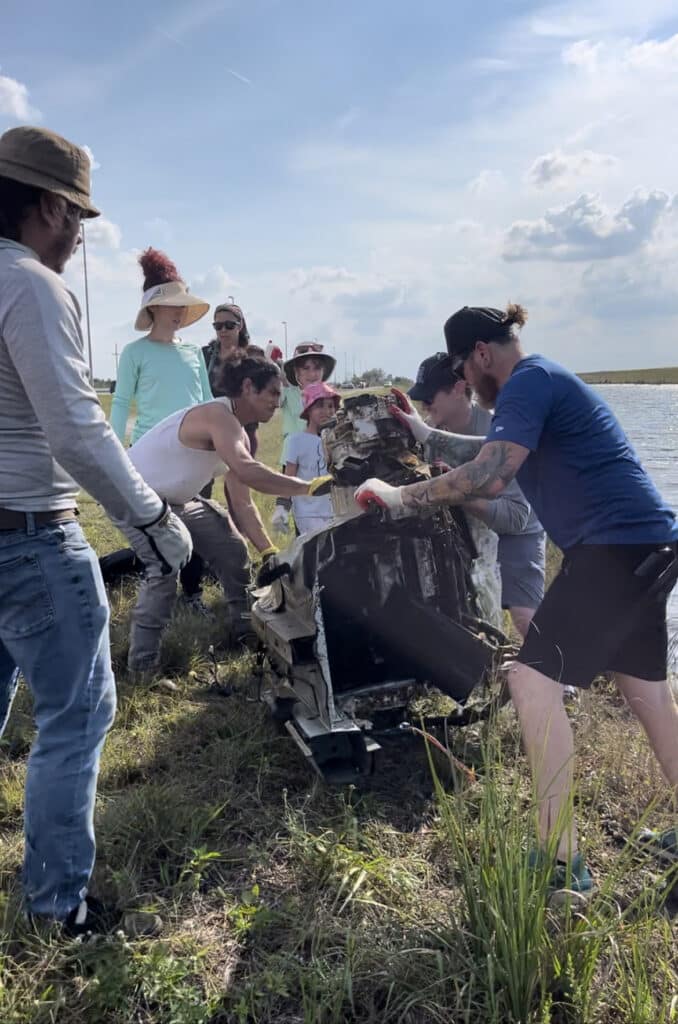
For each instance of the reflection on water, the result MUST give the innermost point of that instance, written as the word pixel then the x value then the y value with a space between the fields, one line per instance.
pixel 649 415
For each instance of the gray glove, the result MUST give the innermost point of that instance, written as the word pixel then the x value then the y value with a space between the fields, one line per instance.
pixel 164 546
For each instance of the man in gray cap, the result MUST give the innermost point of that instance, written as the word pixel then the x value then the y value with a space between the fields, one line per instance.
pixel 54 438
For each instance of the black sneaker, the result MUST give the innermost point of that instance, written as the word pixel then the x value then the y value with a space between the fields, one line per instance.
pixel 92 917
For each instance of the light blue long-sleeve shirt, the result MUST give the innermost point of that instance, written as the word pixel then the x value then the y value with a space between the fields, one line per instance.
pixel 161 377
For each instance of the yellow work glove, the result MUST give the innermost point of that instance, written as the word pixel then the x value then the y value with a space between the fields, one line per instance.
pixel 320 485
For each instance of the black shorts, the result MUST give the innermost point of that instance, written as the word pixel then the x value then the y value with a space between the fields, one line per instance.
pixel 597 617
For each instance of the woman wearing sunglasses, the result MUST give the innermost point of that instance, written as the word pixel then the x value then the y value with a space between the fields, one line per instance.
pixel 230 328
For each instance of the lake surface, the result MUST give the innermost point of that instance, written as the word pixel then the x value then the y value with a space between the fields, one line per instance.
pixel 649 415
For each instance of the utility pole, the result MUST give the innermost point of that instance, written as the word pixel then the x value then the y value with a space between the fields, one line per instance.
pixel 89 331
pixel 284 323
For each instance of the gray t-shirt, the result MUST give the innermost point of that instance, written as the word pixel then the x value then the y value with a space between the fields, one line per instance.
pixel 54 435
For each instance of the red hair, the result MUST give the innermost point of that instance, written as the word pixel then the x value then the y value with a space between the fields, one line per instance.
pixel 158 268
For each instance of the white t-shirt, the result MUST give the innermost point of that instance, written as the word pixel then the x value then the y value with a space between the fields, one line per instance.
pixel 173 470
pixel 307 451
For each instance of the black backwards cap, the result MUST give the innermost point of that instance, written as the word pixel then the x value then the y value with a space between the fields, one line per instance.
pixel 433 374
pixel 475 323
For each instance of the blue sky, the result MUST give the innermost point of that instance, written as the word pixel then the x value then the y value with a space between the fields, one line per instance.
pixel 362 169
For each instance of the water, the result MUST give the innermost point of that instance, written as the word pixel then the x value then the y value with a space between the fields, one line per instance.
pixel 649 415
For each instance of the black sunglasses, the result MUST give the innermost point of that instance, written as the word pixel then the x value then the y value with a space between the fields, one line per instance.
pixel 225 325
pixel 457 362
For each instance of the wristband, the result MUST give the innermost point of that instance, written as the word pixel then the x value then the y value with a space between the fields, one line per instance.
pixel 164 512
pixel 273 550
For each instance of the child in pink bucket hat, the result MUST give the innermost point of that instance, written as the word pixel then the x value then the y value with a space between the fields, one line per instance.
pixel 303 455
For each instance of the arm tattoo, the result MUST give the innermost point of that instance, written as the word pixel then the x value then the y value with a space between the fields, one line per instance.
pixel 485 477
pixel 454 449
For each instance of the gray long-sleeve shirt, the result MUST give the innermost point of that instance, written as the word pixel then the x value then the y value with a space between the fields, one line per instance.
pixel 510 513
pixel 53 432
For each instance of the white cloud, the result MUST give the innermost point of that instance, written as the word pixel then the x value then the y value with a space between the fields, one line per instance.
pixel 215 284
pixel 560 169
pixel 14 101
pixel 652 57
pixel 487 182
pixel 302 279
pixel 378 302
pixel 629 291
pixel 572 18
pixel 655 55
pixel 586 229
pixel 583 54
pixel 95 165
pixel 103 232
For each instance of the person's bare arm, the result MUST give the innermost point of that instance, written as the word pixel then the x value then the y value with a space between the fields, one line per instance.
pixel 485 477
pixel 230 444
pixel 291 468
pixel 246 513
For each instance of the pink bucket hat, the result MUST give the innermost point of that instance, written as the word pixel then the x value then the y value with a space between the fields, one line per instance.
pixel 314 392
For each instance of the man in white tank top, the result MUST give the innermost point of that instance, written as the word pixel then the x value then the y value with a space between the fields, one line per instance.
pixel 177 458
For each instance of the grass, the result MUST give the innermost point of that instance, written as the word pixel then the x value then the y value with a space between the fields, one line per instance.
pixel 286 901
pixel 654 375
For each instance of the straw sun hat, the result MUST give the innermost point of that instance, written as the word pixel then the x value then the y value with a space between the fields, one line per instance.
pixel 163 286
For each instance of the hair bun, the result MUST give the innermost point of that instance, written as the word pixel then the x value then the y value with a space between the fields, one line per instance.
pixel 158 268
pixel 515 314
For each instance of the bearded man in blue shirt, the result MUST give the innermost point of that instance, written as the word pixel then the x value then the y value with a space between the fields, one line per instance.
pixel 606 609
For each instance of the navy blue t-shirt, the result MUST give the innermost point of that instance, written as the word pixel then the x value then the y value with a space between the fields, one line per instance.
pixel 582 476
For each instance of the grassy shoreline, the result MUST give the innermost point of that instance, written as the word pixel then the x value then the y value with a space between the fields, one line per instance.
pixel 653 375
pixel 285 901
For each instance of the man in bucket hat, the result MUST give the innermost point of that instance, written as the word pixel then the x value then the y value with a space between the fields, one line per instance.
pixel 606 609
pixel 54 439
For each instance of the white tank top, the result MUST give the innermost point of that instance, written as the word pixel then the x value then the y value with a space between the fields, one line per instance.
pixel 174 471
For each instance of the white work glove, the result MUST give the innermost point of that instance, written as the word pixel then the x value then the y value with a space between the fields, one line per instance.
pixel 406 414
pixel 376 492
pixel 164 546
pixel 280 519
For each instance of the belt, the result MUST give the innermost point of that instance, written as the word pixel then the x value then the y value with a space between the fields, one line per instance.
pixel 10 519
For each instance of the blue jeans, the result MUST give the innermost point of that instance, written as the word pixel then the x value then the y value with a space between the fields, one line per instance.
pixel 54 629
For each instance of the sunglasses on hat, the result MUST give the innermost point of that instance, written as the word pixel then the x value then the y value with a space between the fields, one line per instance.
pixel 225 325
pixel 312 346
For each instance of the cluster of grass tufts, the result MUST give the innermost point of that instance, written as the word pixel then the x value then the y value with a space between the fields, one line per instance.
pixel 286 901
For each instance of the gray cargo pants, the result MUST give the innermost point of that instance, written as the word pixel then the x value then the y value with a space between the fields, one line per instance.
pixel 217 541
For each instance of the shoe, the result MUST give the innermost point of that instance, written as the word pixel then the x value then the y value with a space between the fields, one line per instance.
pixel 150 678
pixel 195 604
pixel 92 917
pixel 663 844
pixel 574 877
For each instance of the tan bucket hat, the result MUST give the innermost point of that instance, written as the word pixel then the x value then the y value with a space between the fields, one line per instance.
pixel 173 293
pixel 36 156
pixel 309 350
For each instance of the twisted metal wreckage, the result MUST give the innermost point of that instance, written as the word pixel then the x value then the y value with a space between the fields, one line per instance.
pixel 357 620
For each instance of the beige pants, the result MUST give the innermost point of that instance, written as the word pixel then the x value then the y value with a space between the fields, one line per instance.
pixel 217 541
